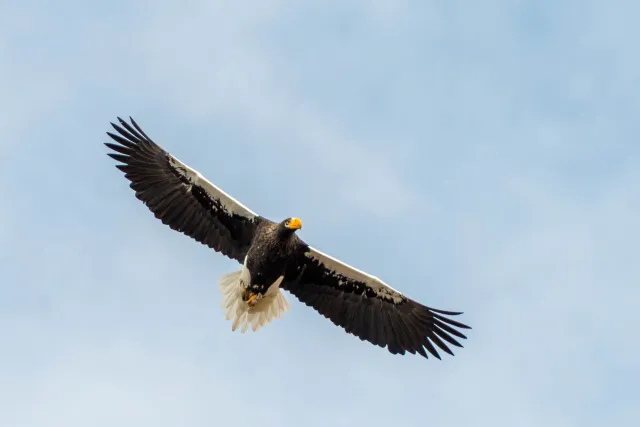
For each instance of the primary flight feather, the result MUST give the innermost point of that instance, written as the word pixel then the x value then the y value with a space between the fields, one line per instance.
pixel 273 258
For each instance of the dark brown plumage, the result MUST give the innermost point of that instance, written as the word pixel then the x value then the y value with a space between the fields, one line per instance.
pixel 274 256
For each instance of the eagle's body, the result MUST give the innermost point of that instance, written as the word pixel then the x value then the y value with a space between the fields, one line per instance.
pixel 273 258
pixel 272 250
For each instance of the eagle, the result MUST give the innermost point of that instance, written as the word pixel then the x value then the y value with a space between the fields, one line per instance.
pixel 273 258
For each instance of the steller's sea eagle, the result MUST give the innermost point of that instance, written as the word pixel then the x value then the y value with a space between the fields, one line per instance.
pixel 273 257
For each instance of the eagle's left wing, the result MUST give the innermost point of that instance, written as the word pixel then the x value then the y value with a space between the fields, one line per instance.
pixel 180 196
pixel 365 306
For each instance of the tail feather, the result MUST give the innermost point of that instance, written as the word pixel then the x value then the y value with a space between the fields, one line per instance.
pixel 272 305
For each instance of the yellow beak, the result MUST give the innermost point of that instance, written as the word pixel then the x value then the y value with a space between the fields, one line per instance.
pixel 295 224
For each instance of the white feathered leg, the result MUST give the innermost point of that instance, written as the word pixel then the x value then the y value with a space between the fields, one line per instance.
pixel 271 306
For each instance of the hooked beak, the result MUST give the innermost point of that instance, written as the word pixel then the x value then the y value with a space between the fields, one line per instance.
pixel 295 224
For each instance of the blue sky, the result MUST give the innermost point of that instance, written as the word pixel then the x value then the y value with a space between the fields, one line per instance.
pixel 479 156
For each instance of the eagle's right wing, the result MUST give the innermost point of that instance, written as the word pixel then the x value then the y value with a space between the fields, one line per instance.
pixel 367 307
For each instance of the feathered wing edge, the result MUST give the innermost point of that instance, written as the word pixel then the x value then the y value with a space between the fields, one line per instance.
pixel 180 196
pixel 368 308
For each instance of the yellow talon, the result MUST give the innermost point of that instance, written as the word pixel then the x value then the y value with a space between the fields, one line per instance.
pixel 252 298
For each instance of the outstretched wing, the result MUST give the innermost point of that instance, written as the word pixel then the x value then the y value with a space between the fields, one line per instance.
pixel 180 196
pixel 368 308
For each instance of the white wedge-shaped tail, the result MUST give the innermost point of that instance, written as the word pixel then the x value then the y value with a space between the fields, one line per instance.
pixel 271 306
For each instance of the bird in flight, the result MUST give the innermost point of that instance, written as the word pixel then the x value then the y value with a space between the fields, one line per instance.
pixel 274 258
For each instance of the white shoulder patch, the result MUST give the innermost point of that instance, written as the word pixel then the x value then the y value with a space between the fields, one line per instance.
pixel 380 288
pixel 228 203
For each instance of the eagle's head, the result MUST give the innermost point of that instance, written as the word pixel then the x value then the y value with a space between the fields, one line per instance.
pixel 289 226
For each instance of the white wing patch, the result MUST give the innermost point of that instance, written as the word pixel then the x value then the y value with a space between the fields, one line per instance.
pixel 227 202
pixel 380 288
pixel 271 306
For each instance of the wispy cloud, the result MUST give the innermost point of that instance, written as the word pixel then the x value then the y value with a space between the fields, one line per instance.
pixel 478 157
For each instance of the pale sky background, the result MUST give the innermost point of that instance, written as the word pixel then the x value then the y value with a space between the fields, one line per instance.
pixel 479 156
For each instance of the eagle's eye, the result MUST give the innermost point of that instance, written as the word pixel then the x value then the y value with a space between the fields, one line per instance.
pixel 286 223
